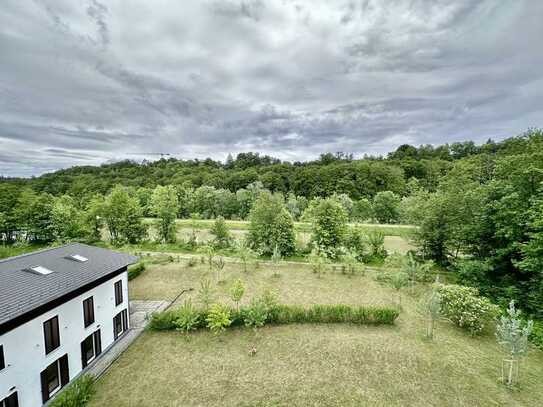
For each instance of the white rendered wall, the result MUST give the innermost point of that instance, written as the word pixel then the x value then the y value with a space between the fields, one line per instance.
pixel 24 346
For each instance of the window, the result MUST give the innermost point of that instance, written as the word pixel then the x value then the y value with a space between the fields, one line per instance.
pixel 120 323
pixel 77 257
pixel 118 292
pixel 2 360
pixel 54 377
pixel 40 270
pixel 91 347
pixel 10 401
pixel 51 333
pixel 88 311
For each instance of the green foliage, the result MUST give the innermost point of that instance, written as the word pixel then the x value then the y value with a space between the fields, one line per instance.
pixel 187 317
pixel 221 235
pixel 276 260
pixel 362 210
pixel 245 254
pixel 376 242
pixel 164 206
pixel 77 394
pixel 256 314
pixel 465 308
pixel 205 294
pixel 399 280
pixel 135 270
pixel 237 289
pixel 350 262
pixel 386 207
pixel 329 227
pixel 318 261
pixel 66 220
pixel 271 226
pixel 123 217
pixel 218 318
pixel 219 264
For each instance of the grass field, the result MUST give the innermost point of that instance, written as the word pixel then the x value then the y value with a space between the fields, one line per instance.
pixel 317 365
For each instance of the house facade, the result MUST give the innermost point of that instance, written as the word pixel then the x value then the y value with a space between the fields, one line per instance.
pixel 59 309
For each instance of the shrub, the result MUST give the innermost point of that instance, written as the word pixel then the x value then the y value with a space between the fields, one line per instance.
pixel 77 394
pixel 465 308
pixel 536 337
pixel 218 318
pixel 271 225
pixel 163 321
pixel 256 314
pixel 355 241
pixel 222 238
pixel 328 227
pixel 386 207
pixel 350 263
pixel 136 270
pixel 188 317
pixel 376 241
pixel 318 261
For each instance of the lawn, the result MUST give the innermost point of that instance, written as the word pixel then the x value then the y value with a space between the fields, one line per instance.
pixel 319 365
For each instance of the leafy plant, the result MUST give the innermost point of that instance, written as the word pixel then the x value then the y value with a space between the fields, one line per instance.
pixel 188 317
pixel 218 318
pixel 376 242
pixel 245 254
pixel 399 280
pixel 209 253
pixel 205 294
pixel 219 264
pixel 350 262
pixel 236 292
pixel 222 238
pixel 432 309
pixel 465 308
pixel 77 394
pixel 318 261
pixel 136 270
pixel 256 314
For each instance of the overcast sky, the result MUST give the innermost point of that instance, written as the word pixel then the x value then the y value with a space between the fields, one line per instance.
pixel 86 82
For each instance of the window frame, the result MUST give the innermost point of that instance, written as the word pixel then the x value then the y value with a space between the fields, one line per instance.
pixel 51 393
pixel 123 323
pixel 92 347
pixel 118 289
pixel 88 312
pixel 61 368
pixel 14 402
pixel 50 345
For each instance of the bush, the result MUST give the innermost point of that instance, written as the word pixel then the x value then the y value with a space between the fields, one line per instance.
pixel 329 227
pixel 376 242
pixel 136 270
pixel 256 314
pixel 222 238
pixel 77 394
pixel 188 317
pixel 386 207
pixel 163 321
pixel 218 318
pixel 271 226
pixel 465 308
pixel 536 336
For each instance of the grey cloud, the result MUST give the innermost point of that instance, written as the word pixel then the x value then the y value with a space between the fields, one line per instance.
pixel 93 81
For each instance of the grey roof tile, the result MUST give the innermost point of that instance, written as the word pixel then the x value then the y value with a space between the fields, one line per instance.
pixel 22 291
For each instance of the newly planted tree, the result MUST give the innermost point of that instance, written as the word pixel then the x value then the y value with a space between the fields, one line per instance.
pixel 219 264
pixel 205 294
pixel 222 238
pixel 512 334
pixel 237 289
pixel 399 280
pixel 318 261
pixel 209 255
pixel 276 261
pixel 245 254
pixel 432 310
pixel 164 206
pixel 350 262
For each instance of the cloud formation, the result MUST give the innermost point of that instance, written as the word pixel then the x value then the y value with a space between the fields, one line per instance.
pixel 83 82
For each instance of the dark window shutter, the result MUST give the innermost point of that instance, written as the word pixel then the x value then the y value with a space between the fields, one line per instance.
pixel 44 387
pixel 97 343
pixel 2 360
pixel 125 320
pixel 64 370
pixel 115 333
pixel 83 355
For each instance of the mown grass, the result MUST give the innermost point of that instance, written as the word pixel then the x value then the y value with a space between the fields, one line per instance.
pixel 318 365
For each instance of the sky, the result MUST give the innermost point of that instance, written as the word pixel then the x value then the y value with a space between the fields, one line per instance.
pixel 85 82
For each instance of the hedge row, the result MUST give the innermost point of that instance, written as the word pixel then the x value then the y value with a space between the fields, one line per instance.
pixel 289 314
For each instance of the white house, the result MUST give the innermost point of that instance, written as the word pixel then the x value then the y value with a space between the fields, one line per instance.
pixel 59 308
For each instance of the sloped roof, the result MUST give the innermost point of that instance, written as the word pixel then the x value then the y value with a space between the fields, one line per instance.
pixel 22 291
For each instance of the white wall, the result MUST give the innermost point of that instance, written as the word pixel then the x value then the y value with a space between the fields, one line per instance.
pixel 24 346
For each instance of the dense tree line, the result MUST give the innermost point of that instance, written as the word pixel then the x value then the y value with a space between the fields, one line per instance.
pixel 485 221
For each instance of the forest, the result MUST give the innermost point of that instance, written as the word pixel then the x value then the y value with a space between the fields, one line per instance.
pixel 478 209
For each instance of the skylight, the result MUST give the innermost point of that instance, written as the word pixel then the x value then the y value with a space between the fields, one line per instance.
pixel 40 270
pixel 78 257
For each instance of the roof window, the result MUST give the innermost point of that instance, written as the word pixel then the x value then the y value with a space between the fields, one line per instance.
pixel 77 257
pixel 39 270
